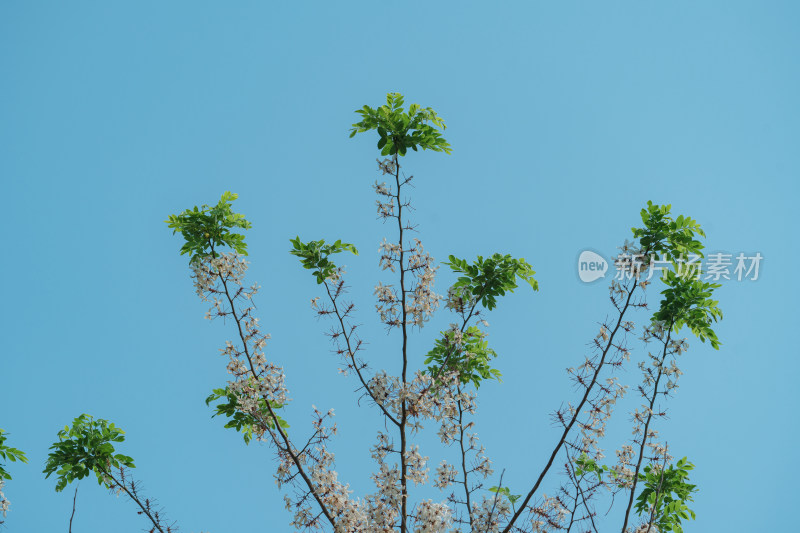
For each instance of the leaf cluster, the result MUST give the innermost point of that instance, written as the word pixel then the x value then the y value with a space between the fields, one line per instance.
pixel 84 448
pixel 400 130
pixel 207 228
pixel 586 465
pixel 470 358
pixel 506 491
pixel 7 453
pixel 241 421
pixel 667 491
pixel 314 256
pixel 687 302
pixel 663 235
pixel 486 279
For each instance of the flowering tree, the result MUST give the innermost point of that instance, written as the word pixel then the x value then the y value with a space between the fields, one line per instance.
pixel 440 388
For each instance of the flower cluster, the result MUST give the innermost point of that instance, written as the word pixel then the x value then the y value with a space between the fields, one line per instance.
pixel 383 507
pixel 631 262
pixel 622 470
pixel 490 514
pixel 388 305
pixel 417 466
pixel 315 463
pixel 432 517
pixel 420 300
pixel 445 475
pixel 219 279
pixel 386 205
pixel 4 503
pixel 208 270
pixel 418 393
pixel 387 166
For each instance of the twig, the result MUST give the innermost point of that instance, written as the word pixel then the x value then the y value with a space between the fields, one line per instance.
pixel 646 427
pixel 75 497
pixel 576 413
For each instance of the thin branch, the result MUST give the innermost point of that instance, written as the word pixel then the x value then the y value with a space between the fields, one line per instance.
pixel 658 493
pixel 646 427
pixel 464 458
pixel 576 413
pixel 145 507
pixel 571 469
pixel 74 498
pixel 404 325
pixel 276 422
pixel 494 502
pixel 351 353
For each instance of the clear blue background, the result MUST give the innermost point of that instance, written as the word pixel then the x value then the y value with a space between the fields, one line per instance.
pixel 565 118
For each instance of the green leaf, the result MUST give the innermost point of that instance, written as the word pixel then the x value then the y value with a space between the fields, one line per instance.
pixel 400 130
pixel 666 491
pixel 487 278
pixel 242 421
pixel 208 229
pixel 470 358
pixel 84 448
pixel 314 255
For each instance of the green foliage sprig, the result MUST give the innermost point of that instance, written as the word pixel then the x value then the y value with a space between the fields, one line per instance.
pixel 470 358
pixel 241 421
pixel 665 492
pixel 506 491
pixel 314 256
pixel 687 302
pixel 665 495
pixel 486 279
pixel 400 130
pixel 84 448
pixel 586 465
pixel 208 228
pixel 7 453
pixel 663 235
pixel 482 282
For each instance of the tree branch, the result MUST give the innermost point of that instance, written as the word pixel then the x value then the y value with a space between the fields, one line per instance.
pixel 287 443
pixel 74 498
pixel 646 427
pixel 577 411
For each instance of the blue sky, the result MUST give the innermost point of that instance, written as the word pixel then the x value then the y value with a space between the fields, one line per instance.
pixel 564 117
